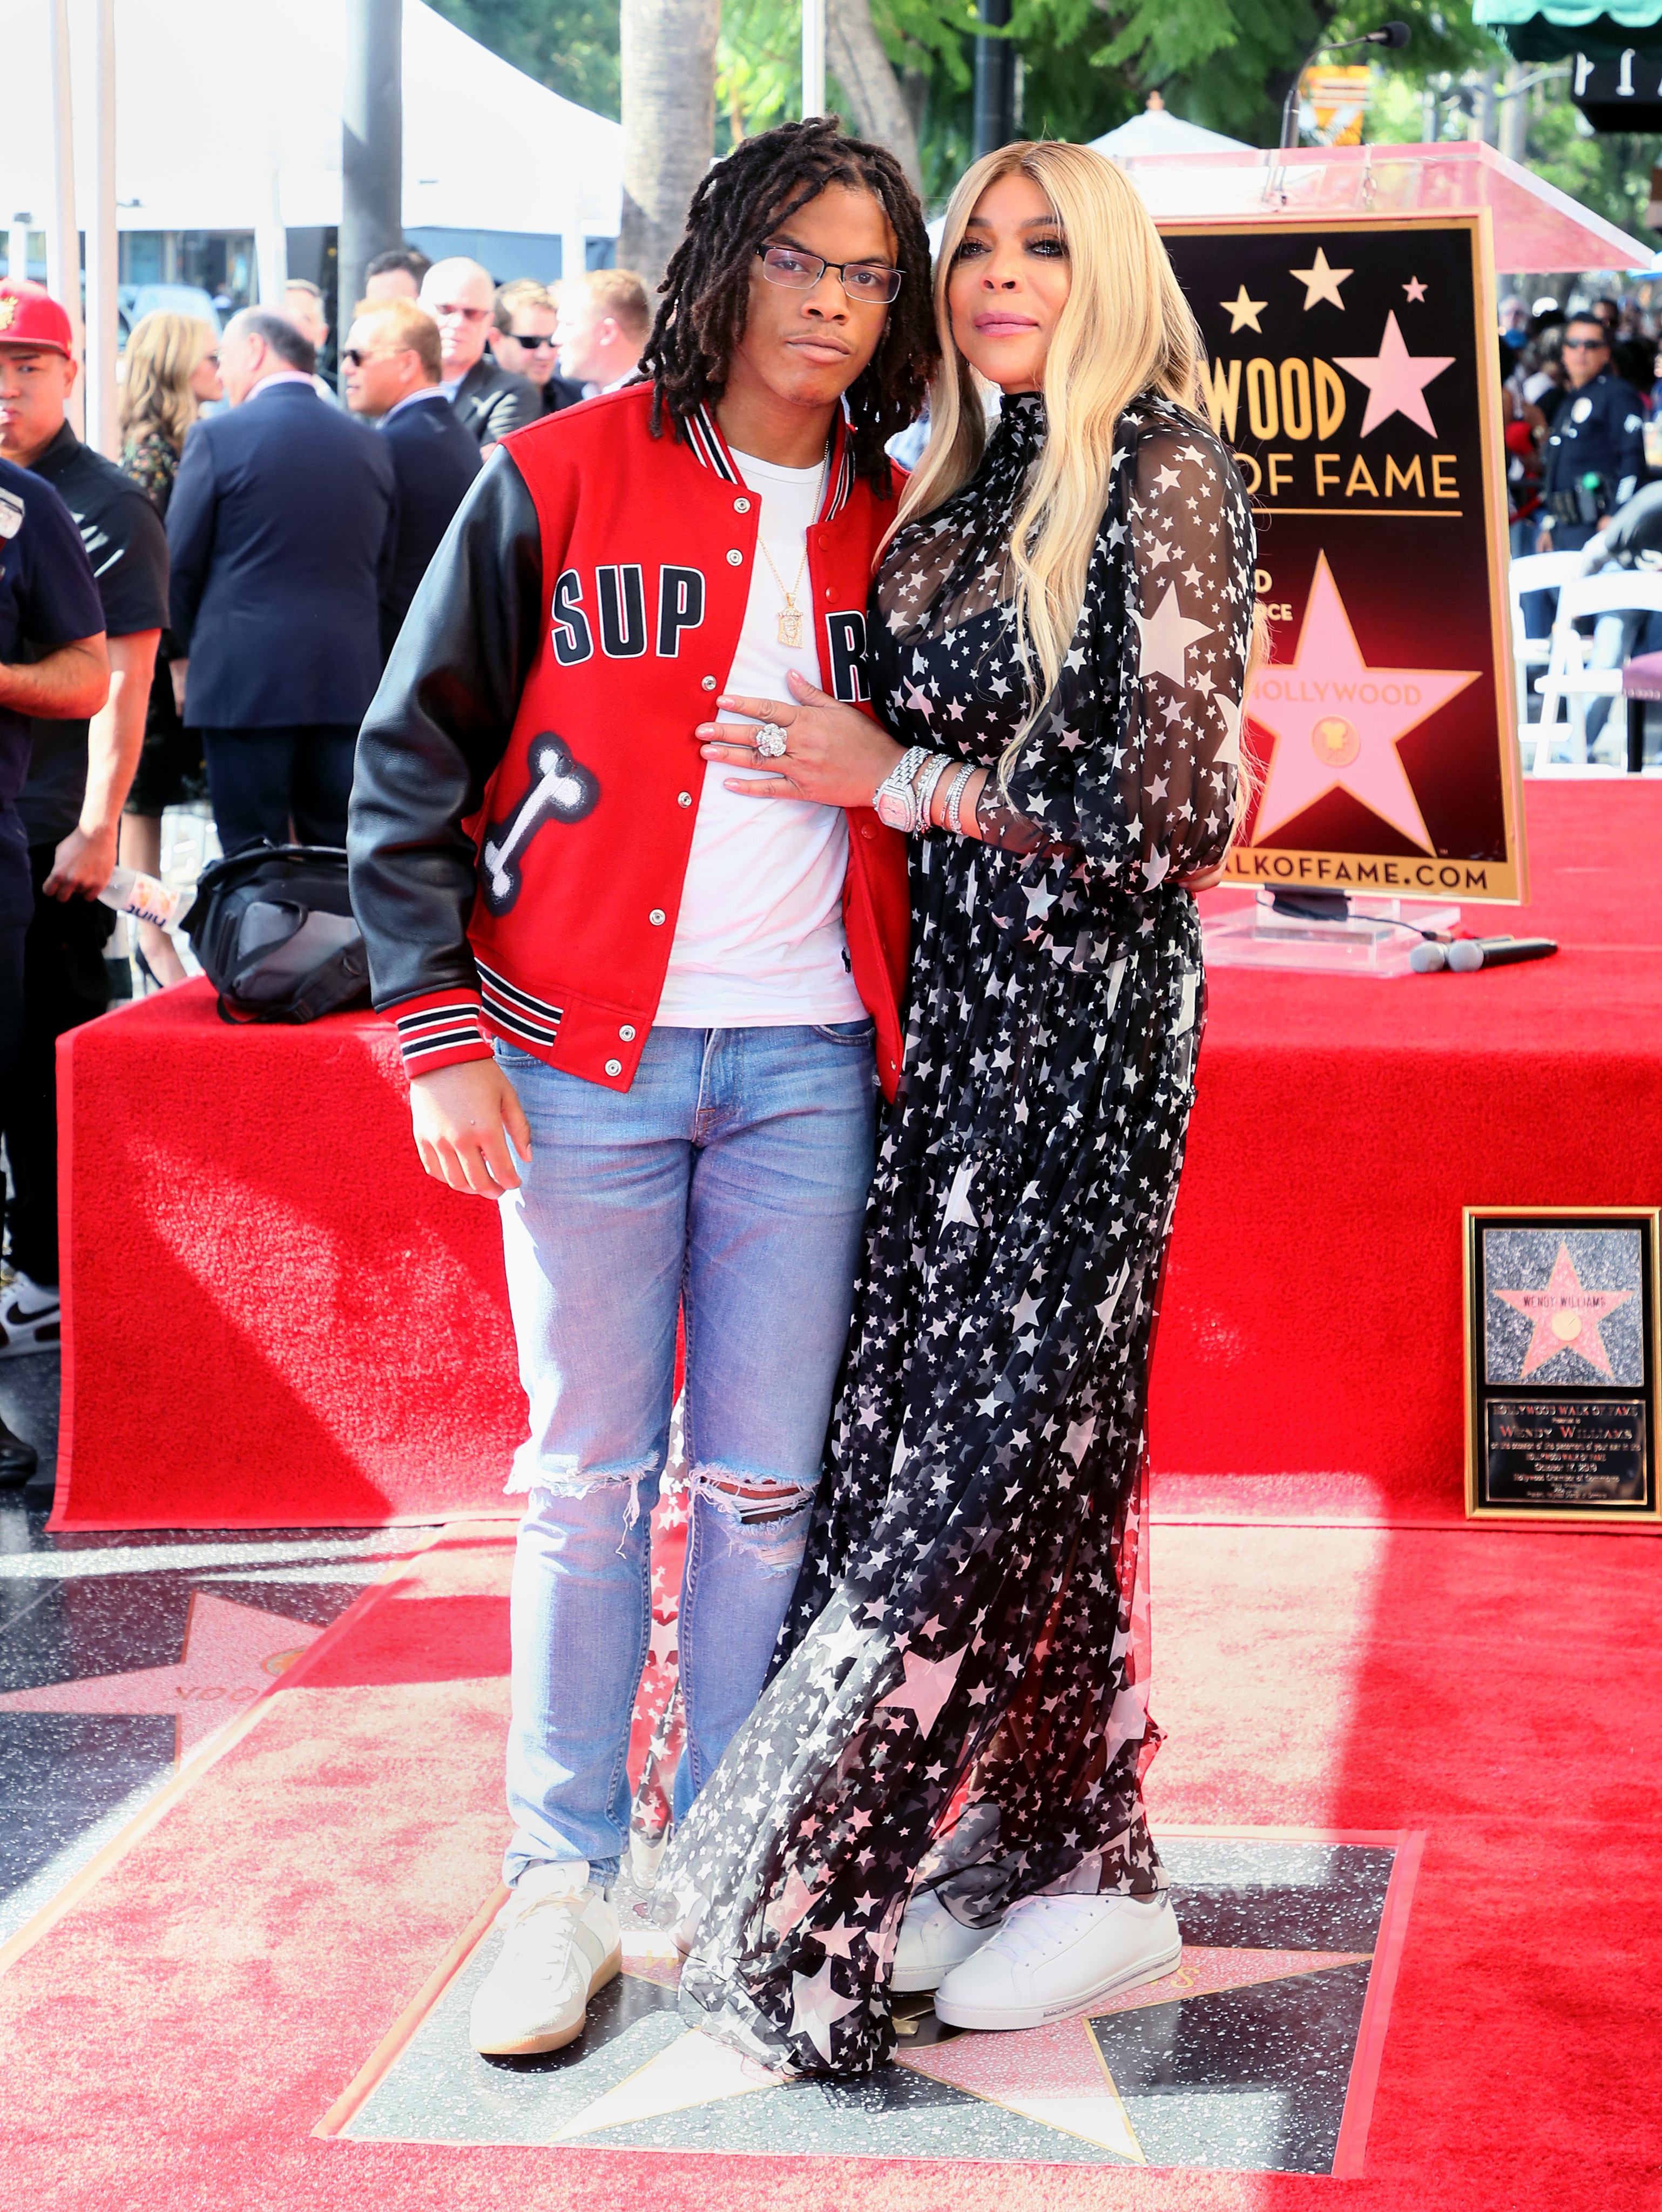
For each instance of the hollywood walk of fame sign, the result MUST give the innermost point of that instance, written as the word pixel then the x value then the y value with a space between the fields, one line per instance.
pixel 1561 1365
pixel 1351 368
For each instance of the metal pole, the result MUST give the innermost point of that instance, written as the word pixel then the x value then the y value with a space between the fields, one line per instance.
pixel 371 145
pixel 18 246
pixel 62 233
pixel 103 324
pixel 995 82
pixel 814 57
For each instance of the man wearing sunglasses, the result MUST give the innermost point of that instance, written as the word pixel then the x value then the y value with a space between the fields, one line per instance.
pixel 489 401
pixel 392 367
pixel 643 1014
pixel 523 341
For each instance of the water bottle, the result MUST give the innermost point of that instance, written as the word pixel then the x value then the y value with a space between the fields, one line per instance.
pixel 145 898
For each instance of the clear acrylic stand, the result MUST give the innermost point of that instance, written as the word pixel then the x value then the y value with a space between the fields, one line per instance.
pixel 1329 934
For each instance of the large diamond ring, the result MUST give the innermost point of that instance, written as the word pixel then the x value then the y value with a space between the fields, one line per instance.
pixel 770 741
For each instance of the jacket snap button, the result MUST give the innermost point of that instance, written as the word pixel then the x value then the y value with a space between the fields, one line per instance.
pixel 656 917
pixel 614 1067
pixel 627 1033
pixel 735 558
pixel 741 507
pixel 707 682
pixel 866 830
pixel 683 798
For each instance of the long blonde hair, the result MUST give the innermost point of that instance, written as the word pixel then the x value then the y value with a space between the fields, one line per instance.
pixel 162 355
pixel 1125 328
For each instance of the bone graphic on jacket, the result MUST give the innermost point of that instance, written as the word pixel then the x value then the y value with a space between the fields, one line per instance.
pixel 562 790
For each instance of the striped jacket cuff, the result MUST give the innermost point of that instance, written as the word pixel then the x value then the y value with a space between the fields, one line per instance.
pixel 439 1031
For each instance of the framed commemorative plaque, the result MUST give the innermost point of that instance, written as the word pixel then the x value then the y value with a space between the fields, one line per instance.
pixel 1561 1365
pixel 1351 366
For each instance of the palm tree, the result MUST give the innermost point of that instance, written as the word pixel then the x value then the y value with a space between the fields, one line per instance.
pixel 669 57
pixel 855 56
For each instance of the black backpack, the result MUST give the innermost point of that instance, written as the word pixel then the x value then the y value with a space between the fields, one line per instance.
pixel 273 928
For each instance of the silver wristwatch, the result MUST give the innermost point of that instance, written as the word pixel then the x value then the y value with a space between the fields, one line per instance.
pixel 894 800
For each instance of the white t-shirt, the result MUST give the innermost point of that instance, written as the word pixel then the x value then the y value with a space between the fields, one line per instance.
pixel 759 940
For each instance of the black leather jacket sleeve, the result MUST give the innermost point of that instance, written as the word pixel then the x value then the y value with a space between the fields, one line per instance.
pixel 434 735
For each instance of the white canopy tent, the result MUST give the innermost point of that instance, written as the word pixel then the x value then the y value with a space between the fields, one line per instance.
pixel 1157 131
pixel 228 117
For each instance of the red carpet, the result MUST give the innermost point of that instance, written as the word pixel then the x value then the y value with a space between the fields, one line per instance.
pixel 271 1317
pixel 175 2035
pixel 1312 1323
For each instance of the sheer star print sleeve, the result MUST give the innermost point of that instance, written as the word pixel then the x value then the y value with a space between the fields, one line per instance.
pixel 1134 756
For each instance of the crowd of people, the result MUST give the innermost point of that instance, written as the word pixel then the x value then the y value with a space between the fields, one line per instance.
pixel 251 559
pixel 1581 391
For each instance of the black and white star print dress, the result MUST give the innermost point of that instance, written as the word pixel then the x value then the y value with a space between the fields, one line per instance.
pixel 960 1694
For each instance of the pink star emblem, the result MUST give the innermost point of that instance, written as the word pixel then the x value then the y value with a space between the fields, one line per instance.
pixel 927 1686
pixel 232 1652
pixel 1336 721
pixel 1396 379
pixel 1566 1317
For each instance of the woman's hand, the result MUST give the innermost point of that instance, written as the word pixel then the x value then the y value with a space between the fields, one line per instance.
pixel 833 754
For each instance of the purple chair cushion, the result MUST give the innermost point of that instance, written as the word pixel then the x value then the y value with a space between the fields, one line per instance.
pixel 1642 678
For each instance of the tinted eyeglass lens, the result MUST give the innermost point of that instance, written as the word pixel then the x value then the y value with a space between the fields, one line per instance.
pixel 531 344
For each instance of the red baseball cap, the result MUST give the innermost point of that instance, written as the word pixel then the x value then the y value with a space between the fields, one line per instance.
pixel 30 316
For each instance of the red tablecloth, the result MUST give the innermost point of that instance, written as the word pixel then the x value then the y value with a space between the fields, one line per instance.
pixel 272 1317
pixel 1311 1322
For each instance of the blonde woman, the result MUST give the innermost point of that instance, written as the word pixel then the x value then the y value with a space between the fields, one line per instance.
pixel 958 1725
pixel 172 365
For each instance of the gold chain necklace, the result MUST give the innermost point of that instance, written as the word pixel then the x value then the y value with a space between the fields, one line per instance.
pixel 790 615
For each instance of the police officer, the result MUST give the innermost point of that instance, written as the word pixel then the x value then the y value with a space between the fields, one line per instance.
pixel 53 667
pixel 1595 456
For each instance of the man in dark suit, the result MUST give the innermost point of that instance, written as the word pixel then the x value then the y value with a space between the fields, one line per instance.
pixel 522 339
pixel 460 297
pixel 393 370
pixel 282 528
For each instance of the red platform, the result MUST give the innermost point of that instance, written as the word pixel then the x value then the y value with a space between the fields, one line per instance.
pixel 1311 1324
pixel 272 1318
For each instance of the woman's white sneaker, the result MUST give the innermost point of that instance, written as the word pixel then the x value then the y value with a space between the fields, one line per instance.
pixel 1057 1956
pixel 931 1944
pixel 561 1944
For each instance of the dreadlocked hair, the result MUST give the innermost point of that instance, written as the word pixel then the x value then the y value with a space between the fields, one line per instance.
pixel 758 186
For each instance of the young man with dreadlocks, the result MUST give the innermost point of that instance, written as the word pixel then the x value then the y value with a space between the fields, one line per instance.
pixel 638 1012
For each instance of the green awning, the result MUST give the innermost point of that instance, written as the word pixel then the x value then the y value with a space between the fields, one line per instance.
pixel 1549 30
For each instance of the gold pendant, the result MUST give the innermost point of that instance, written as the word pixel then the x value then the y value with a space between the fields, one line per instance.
pixel 790 626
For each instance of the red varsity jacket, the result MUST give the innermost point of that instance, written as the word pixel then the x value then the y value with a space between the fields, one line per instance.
pixel 584 825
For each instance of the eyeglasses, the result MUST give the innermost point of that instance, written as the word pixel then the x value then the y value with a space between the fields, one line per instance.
pixel 355 356
pixel 531 344
pixel 869 283
pixel 464 314
pixel 1586 345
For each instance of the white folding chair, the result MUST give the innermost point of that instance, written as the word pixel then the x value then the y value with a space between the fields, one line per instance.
pixel 1568 679
pixel 1533 572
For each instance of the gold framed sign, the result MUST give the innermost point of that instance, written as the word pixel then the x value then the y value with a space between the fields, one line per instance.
pixel 1561 1364
pixel 1351 366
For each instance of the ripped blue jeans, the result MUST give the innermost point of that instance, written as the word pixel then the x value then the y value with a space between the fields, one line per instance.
pixel 730 1180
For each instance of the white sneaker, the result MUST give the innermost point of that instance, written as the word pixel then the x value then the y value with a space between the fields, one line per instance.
pixel 562 1943
pixel 931 1944
pixel 1057 1956
pixel 30 1316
